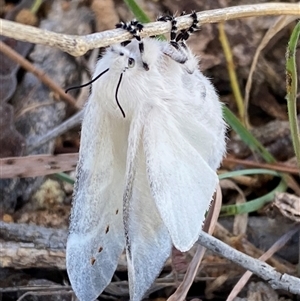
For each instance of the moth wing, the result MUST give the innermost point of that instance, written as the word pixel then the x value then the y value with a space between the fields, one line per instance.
pixel 181 182
pixel 148 242
pixel 96 237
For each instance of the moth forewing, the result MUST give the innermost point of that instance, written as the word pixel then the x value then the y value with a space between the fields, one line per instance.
pixel 148 243
pixel 181 182
pixel 96 237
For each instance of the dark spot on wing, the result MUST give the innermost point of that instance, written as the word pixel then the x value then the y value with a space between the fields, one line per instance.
pixel 93 260
pixel 117 211
pixel 100 249
pixel 107 229
pixel 10 162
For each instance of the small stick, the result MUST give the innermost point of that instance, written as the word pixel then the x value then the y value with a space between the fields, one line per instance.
pixel 79 45
pixel 13 55
pixel 268 273
pixel 57 131
pixel 280 167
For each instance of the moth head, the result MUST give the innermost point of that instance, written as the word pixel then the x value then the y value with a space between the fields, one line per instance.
pixel 119 87
pixel 120 59
pixel 146 55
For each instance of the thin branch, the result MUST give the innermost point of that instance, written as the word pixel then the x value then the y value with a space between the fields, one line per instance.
pixel 70 123
pixel 16 57
pixel 280 243
pixel 275 279
pixel 79 45
pixel 36 165
pixel 293 170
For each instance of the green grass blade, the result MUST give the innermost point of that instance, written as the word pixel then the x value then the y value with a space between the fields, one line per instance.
pixel 253 205
pixel 246 136
pixel 64 177
pixel 291 86
pixel 137 11
pixel 244 172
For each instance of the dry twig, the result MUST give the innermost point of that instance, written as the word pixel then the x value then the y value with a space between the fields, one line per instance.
pixel 275 279
pixel 13 55
pixel 79 45
pixel 276 246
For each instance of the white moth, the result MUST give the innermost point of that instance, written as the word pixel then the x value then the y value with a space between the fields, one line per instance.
pixel 152 138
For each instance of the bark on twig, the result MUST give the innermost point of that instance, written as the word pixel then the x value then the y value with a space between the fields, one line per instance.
pixel 41 237
pixel 24 246
pixel 27 255
pixel 79 45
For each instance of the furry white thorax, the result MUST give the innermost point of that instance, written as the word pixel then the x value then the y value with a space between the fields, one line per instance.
pixel 141 89
pixel 144 182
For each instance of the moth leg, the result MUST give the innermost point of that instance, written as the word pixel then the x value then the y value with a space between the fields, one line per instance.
pixel 123 26
pixel 174 49
pixel 185 34
pixel 173 33
pixel 133 27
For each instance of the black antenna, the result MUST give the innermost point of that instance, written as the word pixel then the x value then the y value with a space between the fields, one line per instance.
pixel 116 95
pixel 90 82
